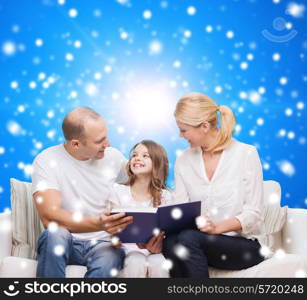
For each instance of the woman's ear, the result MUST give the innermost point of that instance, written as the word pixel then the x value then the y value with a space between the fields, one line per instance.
pixel 205 126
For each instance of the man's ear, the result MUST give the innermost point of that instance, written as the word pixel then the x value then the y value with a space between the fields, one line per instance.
pixel 205 126
pixel 75 143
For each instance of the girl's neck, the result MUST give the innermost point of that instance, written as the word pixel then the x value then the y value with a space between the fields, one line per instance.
pixel 140 189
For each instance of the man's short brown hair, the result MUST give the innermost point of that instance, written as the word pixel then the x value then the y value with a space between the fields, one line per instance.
pixel 73 123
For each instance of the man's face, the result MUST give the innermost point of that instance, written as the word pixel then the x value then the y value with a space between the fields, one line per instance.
pixel 95 141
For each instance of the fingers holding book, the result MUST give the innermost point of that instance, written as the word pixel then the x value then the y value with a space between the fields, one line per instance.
pixel 114 223
pixel 154 245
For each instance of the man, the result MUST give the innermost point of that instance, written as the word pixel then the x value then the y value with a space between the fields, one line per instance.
pixel 70 188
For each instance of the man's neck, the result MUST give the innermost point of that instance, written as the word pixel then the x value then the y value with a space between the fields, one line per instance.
pixel 73 153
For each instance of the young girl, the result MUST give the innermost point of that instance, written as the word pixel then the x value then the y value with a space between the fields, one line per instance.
pixel 147 171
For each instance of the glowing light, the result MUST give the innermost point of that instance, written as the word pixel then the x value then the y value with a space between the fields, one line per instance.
pixel 53 226
pixel 176 213
pixel 209 28
pixel 77 44
pixel 155 47
pixel 265 251
pixel 115 240
pixel 191 10
pixel 274 198
pixel 113 272
pixel 295 10
pixel 73 13
pixel 244 65
pixel 91 89
pixel 148 100
pixel 201 221
pixel 39 42
pixel 59 250
pixel 9 48
pixel 156 231
pixel 69 57
pixel 14 128
pixel 167 264
pixel 230 34
pixel 276 56
pixel 181 251
pixel 286 167
pixel 77 217
pixel 147 14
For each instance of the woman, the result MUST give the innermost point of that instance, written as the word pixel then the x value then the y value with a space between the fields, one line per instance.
pixel 227 176
pixel 147 170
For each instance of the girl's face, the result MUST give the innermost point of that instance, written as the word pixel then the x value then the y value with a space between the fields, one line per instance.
pixel 140 162
pixel 196 136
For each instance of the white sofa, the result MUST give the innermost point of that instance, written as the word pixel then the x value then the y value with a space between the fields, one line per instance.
pixel 289 245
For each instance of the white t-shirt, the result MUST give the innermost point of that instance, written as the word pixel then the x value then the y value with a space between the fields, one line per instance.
pixel 84 185
pixel 122 198
pixel 235 190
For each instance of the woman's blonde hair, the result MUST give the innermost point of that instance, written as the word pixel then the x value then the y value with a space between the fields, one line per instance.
pixel 196 108
pixel 159 170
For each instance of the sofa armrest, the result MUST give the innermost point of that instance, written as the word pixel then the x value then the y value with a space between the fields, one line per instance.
pixel 5 234
pixel 294 232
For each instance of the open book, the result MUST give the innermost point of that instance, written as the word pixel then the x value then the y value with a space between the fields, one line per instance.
pixel 149 221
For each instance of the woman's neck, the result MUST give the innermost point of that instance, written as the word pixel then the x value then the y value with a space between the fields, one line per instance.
pixel 210 140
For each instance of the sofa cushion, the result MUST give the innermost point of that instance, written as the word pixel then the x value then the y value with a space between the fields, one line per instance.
pixel 12 267
pixel 274 215
pixel 26 225
pixel 280 265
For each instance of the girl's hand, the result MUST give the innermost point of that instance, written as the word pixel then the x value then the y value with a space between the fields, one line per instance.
pixel 154 245
pixel 205 224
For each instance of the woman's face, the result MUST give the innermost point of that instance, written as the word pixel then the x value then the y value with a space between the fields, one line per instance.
pixel 140 162
pixel 194 135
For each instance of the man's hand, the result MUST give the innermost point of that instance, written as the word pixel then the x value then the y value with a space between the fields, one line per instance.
pixel 114 223
pixel 205 224
pixel 154 245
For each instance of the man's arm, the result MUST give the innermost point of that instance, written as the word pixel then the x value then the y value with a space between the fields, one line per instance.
pixel 48 204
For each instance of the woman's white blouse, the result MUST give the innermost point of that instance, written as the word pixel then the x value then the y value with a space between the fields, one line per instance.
pixel 235 190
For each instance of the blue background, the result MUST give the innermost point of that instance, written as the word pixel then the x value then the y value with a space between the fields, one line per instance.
pixel 132 60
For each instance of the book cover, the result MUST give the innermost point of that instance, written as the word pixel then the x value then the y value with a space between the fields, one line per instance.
pixel 149 221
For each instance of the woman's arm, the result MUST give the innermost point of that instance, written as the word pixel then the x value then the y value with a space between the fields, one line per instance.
pixel 204 224
pixel 253 206
pixel 180 193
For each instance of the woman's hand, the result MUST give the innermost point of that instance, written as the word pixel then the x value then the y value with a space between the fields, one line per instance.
pixel 154 245
pixel 205 224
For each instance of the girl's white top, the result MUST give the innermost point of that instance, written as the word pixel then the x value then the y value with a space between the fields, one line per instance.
pixel 235 190
pixel 121 197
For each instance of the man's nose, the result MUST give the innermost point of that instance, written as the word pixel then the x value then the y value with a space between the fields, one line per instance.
pixel 106 143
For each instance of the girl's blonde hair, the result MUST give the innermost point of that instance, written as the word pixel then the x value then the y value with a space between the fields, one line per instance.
pixel 159 170
pixel 196 108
